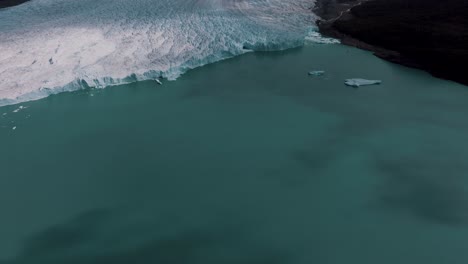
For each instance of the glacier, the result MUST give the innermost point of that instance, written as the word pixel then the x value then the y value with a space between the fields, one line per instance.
pixel 52 46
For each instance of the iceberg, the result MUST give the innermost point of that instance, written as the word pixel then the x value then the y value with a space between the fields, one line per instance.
pixel 316 73
pixel 158 81
pixel 361 82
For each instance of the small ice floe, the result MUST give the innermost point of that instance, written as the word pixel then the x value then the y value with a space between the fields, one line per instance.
pixel 316 73
pixel 361 82
pixel 13 128
pixel 158 81
pixel 4 114
pixel 19 109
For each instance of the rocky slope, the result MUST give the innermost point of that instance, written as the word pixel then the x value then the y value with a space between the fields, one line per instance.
pixel 8 3
pixel 427 34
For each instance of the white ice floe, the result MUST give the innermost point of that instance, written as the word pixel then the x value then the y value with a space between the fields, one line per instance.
pixel 13 128
pixel 316 73
pixel 52 46
pixel 361 82
pixel 19 109
pixel 158 81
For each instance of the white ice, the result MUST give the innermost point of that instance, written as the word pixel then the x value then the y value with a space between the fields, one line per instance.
pixel 50 46
pixel 316 73
pixel 361 82
pixel 19 109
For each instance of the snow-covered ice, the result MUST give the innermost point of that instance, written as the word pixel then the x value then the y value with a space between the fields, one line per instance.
pixel 51 46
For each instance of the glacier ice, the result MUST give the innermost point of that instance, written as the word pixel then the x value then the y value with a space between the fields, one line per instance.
pixel 52 46
pixel 361 82
pixel 314 37
pixel 316 73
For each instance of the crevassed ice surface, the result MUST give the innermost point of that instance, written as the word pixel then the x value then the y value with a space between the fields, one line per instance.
pixel 49 46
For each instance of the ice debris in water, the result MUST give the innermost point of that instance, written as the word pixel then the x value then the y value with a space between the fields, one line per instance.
pixel 316 73
pixel 19 109
pixel 158 81
pixel 361 82
pixel 14 128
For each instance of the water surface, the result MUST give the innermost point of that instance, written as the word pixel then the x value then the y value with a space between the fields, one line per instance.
pixel 245 161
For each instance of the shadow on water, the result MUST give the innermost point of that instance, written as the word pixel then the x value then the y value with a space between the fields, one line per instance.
pixel 429 194
pixel 105 236
pixel 427 178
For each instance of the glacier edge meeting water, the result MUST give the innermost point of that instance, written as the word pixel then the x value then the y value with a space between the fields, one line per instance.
pixel 52 46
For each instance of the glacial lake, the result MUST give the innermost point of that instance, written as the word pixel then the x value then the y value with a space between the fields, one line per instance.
pixel 249 160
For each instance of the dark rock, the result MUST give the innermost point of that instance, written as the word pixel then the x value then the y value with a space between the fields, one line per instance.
pixel 427 34
pixel 9 3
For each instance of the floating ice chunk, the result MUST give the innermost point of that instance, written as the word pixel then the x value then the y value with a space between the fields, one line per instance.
pixel 13 128
pixel 4 114
pixel 19 109
pixel 361 82
pixel 158 81
pixel 316 73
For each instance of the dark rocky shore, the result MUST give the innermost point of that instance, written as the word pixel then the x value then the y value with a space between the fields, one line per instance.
pixel 428 34
pixel 8 3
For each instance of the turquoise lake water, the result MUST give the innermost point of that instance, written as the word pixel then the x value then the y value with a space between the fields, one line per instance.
pixel 249 160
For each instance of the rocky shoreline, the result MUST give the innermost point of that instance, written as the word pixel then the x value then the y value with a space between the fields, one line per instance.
pixel 9 3
pixel 425 34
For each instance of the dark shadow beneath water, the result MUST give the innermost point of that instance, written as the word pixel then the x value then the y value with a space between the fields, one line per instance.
pixel 100 236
